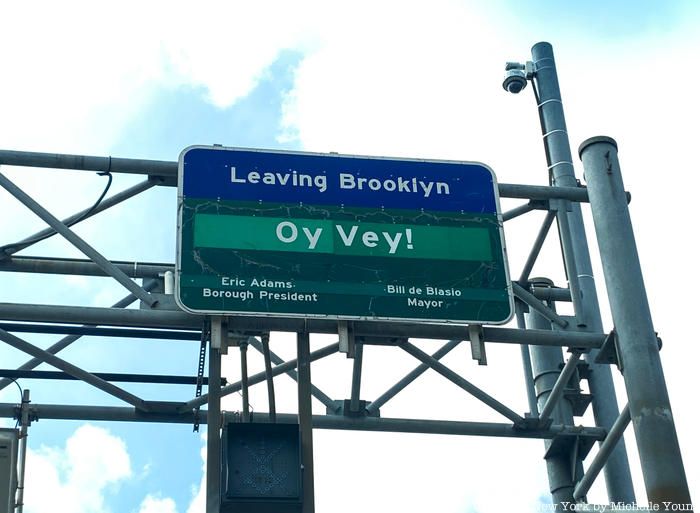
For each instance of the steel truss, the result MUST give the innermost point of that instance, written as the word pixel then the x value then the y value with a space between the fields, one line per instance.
pixel 552 385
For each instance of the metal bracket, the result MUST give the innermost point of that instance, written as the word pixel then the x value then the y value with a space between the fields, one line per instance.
pixel 476 338
pixel 346 339
pixel 609 352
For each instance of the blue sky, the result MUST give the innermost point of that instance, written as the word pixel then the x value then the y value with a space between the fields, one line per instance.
pixel 386 78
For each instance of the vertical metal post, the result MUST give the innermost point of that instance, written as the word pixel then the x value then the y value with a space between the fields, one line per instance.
pixel 546 366
pixel 527 362
pixel 304 395
pixel 650 408
pixel 356 378
pixel 265 339
pixel 618 479
pixel 245 414
pixel 213 424
pixel 23 433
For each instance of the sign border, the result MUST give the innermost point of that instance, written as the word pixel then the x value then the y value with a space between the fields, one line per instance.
pixel 180 200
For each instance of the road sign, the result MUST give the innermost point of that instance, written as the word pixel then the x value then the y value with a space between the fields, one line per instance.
pixel 304 234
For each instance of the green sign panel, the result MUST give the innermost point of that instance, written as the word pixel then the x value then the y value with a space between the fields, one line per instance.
pixel 300 234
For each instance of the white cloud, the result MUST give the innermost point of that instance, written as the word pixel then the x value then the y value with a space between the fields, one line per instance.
pixel 76 478
pixel 155 504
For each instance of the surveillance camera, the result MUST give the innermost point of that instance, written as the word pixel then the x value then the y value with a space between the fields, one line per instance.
pixel 515 80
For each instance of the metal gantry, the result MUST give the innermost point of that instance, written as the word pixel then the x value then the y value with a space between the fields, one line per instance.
pixel 552 384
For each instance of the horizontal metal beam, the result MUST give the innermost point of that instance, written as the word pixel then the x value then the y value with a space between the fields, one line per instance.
pixel 99 331
pixel 531 301
pixel 257 325
pixel 168 170
pixel 427 426
pixel 81 267
pixel 107 376
pixel 161 168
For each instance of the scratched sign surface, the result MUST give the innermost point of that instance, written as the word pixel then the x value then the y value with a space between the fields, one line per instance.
pixel 303 234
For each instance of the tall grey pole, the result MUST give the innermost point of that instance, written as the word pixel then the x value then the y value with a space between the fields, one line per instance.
pixel 546 366
pixel 650 409
pixel 618 479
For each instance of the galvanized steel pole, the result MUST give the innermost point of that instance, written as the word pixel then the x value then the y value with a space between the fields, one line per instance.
pixel 556 140
pixel 546 363
pixel 650 408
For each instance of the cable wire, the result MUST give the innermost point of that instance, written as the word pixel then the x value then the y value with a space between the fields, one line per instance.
pixel 20 245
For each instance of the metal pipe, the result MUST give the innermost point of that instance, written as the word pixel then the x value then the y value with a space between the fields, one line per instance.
pixel 461 382
pixel 168 171
pixel 551 294
pixel 537 246
pixel 265 340
pixel 546 362
pixel 571 267
pixel 392 425
pixel 650 407
pixel 100 331
pixel 71 369
pixel 23 433
pixel 76 241
pixel 107 376
pixel 315 355
pixel 305 422
pixel 82 215
pixel 527 363
pixel 81 267
pixel 260 377
pixel 558 389
pixel 66 341
pixel 356 378
pixel 380 401
pixel 518 211
pixel 538 306
pixel 214 422
pixel 249 324
pixel 245 414
pixel 604 451
pixel 89 163
pixel 556 141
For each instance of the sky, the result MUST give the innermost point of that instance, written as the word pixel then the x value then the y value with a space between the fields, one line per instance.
pixel 385 78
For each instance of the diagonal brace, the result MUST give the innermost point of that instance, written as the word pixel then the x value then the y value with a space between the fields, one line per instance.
pixel 606 448
pixel 461 382
pixel 79 216
pixel 537 246
pixel 537 305
pixel 558 389
pixel 73 370
pixel 104 264
pixel 380 401
pixel 285 367
pixel 315 391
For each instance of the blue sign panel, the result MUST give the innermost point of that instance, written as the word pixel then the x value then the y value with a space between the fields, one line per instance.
pixel 324 179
